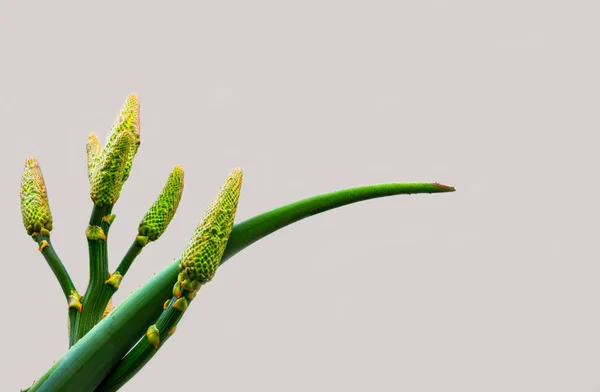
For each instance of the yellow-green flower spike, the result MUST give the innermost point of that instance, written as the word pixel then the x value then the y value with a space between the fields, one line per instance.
pixel 107 179
pixel 203 254
pixel 127 120
pixel 93 149
pixel 109 167
pixel 159 216
pixel 34 198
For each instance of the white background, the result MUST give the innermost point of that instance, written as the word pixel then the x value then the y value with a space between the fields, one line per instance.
pixel 492 288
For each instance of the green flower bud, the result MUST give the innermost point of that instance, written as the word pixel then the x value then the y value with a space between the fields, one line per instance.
pixel 127 120
pixel 203 254
pixel 159 216
pixel 107 179
pixel 109 167
pixel 34 198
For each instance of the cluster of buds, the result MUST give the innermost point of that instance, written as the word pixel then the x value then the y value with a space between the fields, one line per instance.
pixel 109 167
pixel 203 254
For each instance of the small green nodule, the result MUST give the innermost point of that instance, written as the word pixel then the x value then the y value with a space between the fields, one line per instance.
pixel 187 285
pixel 181 304
pixel 74 301
pixel 109 219
pixel 114 280
pixel 95 233
pixel 177 289
pixel 192 294
pixel 153 335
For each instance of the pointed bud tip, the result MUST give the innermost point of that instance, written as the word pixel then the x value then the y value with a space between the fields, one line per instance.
pixel 132 103
pixel 31 161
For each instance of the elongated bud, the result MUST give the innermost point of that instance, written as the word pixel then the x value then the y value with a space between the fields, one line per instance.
pixel 109 167
pixel 34 198
pixel 107 179
pixel 203 254
pixel 93 149
pixel 127 120
pixel 159 216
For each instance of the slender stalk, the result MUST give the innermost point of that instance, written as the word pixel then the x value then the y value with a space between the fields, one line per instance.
pixel 66 284
pixel 134 250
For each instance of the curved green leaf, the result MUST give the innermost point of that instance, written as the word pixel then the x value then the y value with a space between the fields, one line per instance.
pixel 89 361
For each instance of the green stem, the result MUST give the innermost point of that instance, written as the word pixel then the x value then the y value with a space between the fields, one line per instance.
pixel 106 291
pixel 142 352
pixel 134 250
pixel 66 284
pixel 98 260
pixel 87 363
pixel 73 326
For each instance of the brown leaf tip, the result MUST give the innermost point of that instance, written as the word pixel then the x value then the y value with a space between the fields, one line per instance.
pixel 447 188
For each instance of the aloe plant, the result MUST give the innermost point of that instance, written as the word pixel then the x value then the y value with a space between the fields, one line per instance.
pixel 107 346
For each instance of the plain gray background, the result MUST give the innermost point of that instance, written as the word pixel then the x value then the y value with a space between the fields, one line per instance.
pixel 492 288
